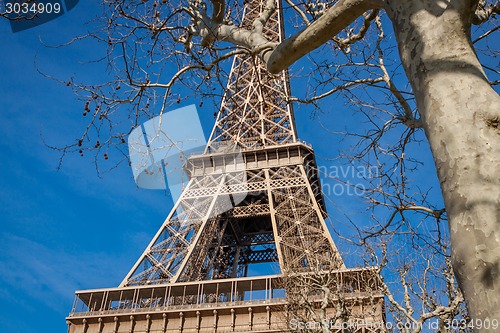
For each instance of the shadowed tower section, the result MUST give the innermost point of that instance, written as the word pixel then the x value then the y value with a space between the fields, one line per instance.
pixel 251 213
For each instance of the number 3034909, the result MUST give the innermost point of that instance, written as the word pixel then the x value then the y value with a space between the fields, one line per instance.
pixel 32 8
pixel 474 324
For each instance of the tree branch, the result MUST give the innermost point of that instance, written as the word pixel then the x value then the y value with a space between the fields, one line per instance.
pixel 261 20
pixel 484 12
pixel 368 18
pixel 348 85
pixel 219 9
pixel 332 22
pixel 299 11
pixel 408 119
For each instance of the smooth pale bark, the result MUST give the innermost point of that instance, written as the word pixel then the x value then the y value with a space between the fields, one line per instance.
pixel 461 116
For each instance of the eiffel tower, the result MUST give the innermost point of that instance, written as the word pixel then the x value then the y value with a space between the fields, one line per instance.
pixel 251 216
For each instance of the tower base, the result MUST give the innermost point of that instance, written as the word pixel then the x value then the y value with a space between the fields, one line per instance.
pixel 253 304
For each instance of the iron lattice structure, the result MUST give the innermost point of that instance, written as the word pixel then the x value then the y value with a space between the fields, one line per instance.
pixel 254 112
pixel 253 197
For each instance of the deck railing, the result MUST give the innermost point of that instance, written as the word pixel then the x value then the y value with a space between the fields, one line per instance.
pixel 211 293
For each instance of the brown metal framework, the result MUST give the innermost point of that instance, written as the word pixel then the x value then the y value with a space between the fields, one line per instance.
pixel 253 197
pixel 254 111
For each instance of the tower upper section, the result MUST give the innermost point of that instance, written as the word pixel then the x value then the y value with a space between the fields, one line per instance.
pixel 255 111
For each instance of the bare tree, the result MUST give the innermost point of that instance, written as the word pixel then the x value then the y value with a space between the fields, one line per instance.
pixel 420 290
pixel 334 301
pixel 422 294
pixel 155 47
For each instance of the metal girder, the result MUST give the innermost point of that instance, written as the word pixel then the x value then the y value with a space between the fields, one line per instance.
pixel 201 238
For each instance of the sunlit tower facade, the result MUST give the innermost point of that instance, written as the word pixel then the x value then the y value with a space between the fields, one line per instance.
pixel 251 216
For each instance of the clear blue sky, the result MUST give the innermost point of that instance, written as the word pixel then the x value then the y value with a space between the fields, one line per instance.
pixel 65 230
pixel 69 229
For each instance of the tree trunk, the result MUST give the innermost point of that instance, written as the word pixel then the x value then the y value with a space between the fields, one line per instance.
pixel 461 115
